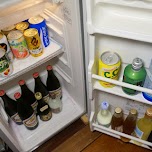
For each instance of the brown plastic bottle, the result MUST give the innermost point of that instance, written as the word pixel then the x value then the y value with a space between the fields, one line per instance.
pixel 117 120
pixel 129 124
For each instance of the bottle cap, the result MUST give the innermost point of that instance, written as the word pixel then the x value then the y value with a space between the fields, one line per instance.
pixel 21 82
pixel 149 112
pixel 104 105
pixel 137 63
pixel 17 95
pixel 118 110
pixel 133 111
pixel 49 67
pixel 38 95
pixel 35 75
pixel 2 92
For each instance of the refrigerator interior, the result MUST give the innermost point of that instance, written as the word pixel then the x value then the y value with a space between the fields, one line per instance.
pixel 123 27
pixel 64 53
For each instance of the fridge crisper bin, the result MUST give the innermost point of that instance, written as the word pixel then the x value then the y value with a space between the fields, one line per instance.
pixel 125 18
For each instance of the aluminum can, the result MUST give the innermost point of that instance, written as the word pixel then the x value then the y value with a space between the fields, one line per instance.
pixel 18 44
pixel 39 23
pixel 33 41
pixel 109 67
pixel 4 44
pixel 6 67
pixel 22 26
pixel 8 29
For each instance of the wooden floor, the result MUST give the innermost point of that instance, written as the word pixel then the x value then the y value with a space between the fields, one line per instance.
pixel 78 138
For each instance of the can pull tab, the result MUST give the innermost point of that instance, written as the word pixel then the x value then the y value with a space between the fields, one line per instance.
pixel 109 59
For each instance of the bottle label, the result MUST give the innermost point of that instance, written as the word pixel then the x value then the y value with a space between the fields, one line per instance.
pixel 56 93
pixel 46 117
pixel 138 132
pixel 44 108
pixel 31 121
pixel 46 98
pixel 34 106
pixel 16 118
pixel 119 128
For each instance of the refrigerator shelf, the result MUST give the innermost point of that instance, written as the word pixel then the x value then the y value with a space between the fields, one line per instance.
pixel 25 65
pixel 29 140
pixel 116 134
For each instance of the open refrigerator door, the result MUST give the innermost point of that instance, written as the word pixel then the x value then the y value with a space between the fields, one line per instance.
pixel 123 27
pixel 64 53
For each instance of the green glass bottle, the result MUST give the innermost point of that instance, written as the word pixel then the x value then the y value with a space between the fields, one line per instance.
pixel 134 74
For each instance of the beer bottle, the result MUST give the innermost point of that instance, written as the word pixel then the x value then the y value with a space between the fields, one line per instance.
pixel 117 120
pixel 129 124
pixel 43 109
pixel 52 83
pixel 26 112
pixel 28 95
pixel 10 107
pixel 40 87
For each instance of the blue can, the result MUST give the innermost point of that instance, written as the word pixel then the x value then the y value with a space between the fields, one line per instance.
pixel 39 23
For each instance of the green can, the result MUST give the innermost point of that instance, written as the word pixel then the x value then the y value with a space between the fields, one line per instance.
pixel 134 74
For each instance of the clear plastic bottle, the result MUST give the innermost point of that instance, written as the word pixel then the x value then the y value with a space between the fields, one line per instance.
pixel 117 120
pixel 129 124
pixel 104 115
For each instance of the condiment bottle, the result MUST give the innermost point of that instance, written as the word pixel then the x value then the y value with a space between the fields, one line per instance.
pixel 10 107
pixel 144 125
pixel 117 120
pixel 28 95
pixel 40 87
pixel 129 124
pixel 26 112
pixel 134 74
pixel 43 109
pixel 104 116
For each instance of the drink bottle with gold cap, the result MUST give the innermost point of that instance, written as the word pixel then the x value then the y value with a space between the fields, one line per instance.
pixel 144 125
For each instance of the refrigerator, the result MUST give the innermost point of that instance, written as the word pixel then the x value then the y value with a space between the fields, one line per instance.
pixel 79 31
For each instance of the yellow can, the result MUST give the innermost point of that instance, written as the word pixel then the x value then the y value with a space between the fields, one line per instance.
pixel 109 67
pixel 33 41
pixel 22 26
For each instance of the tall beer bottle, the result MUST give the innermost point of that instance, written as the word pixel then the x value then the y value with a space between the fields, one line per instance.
pixel 10 107
pixel 40 87
pixel 26 112
pixel 28 95
pixel 53 84
pixel 43 109
pixel 134 74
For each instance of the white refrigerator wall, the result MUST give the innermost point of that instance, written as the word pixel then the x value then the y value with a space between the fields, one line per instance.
pixel 64 26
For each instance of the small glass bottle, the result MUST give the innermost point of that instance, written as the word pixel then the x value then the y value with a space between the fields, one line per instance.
pixel 104 116
pixel 129 124
pixel 117 120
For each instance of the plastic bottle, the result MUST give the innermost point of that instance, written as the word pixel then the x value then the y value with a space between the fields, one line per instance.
pixel 10 107
pixel 129 124
pixel 40 87
pixel 26 112
pixel 117 120
pixel 104 116
pixel 144 125
pixel 28 95
pixel 52 83
pixel 134 74
pixel 43 109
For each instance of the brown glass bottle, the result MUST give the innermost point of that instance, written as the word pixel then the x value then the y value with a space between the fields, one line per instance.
pixel 117 120
pixel 43 109
pixel 26 112
pixel 129 124
pixel 10 107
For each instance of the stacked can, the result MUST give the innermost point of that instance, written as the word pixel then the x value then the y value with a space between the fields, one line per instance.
pixel 8 29
pixel 39 23
pixel 22 26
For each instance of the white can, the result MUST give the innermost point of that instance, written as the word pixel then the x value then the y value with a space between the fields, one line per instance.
pixel 4 44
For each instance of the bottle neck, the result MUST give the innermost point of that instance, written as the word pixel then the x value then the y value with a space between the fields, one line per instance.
pixel 6 99
pixel 118 115
pixel 50 72
pixel 104 112
pixel 38 80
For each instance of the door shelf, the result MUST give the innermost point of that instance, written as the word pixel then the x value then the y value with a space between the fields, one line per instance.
pixel 29 140
pixel 116 134
pixel 22 66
